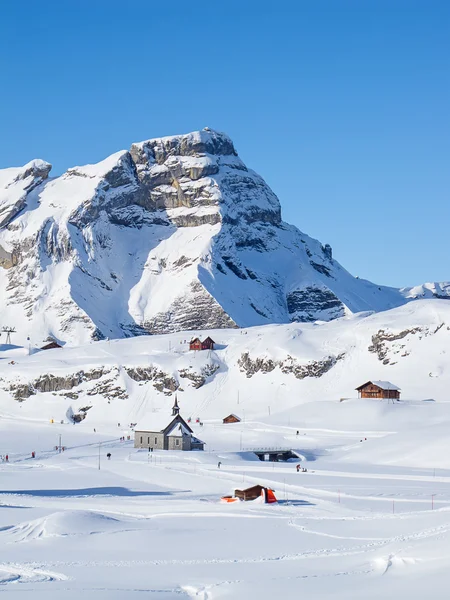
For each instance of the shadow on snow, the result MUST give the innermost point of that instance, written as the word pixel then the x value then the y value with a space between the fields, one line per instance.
pixel 95 491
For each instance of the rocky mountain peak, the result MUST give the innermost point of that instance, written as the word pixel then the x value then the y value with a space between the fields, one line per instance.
pixel 177 233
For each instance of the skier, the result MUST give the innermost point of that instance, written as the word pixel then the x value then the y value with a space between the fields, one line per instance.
pixel 218 464
pixel 108 456
pixel 33 454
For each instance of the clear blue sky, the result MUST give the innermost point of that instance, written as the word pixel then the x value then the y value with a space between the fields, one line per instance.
pixel 342 106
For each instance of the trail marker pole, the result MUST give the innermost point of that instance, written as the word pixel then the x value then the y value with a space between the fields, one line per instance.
pixel 339 496
pixel 99 447
pixel 432 501
pixel 393 506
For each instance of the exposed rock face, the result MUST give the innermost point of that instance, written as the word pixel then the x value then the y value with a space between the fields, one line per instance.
pixel 175 234
pixel 386 345
pixel 52 383
pixel 15 184
pixel 161 381
pixel 312 303
pixel 289 365
pixel 199 379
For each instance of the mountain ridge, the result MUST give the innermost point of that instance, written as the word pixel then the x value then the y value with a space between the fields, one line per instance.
pixel 176 233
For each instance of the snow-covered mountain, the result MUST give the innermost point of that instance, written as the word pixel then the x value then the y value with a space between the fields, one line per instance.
pixel 175 234
pixel 284 367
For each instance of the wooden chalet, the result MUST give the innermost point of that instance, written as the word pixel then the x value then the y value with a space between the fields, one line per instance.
pixel 196 344
pixel 208 344
pixel 51 346
pixel 232 419
pixel 250 493
pixel 254 492
pixel 378 389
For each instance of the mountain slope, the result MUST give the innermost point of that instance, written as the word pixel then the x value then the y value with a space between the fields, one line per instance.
pixel 175 234
pixel 283 367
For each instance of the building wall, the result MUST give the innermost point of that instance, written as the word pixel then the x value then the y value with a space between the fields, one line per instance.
pixel 231 420
pixel 373 391
pixel 184 442
pixel 157 441
pixel 149 439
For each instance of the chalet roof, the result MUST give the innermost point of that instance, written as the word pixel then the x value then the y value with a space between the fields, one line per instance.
pixel 233 415
pixel 209 338
pixel 384 385
pixel 49 345
pixel 196 339
pixel 157 422
pixel 178 427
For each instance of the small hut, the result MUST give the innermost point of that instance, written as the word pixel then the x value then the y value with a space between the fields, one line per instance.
pixel 232 419
pixel 195 344
pixel 255 492
pixel 51 345
pixel 208 344
pixel 250 493
pixel 378 389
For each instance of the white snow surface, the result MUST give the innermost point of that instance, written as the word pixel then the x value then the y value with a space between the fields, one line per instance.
pixel 369 519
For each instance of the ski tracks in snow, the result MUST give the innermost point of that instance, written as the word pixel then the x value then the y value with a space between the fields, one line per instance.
pixel 19 573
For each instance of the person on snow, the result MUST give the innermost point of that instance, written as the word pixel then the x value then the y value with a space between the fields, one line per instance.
pixel 218 464
pixel 108 456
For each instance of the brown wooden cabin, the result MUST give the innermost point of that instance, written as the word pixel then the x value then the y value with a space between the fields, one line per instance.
pixel 379 389
pixel 250 493
pixel 195 344
pixel 208 344
pixel 232 419
pixel 51 345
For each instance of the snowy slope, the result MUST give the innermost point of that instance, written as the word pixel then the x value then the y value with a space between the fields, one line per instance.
pixel 176 234
pixel 271 369
pixel 369 519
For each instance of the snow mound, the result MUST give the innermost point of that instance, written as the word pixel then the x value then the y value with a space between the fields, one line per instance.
pixel 64 524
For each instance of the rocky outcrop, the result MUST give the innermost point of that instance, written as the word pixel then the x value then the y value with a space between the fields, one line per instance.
pixel 386 346
pixel 108 389
pixel 55 383
pixel 7 259
pixel 199 379
pixel 311 304
pixel 162 382
pixel 188 310
pixel 17 183
pixel 251 366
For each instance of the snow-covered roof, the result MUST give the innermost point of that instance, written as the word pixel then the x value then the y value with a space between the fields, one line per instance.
pixel 154 421
pixel 384 385
pixel 160 421
pixel 178 428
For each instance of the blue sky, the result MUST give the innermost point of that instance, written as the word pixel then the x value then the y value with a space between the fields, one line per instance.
pixel 341 105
